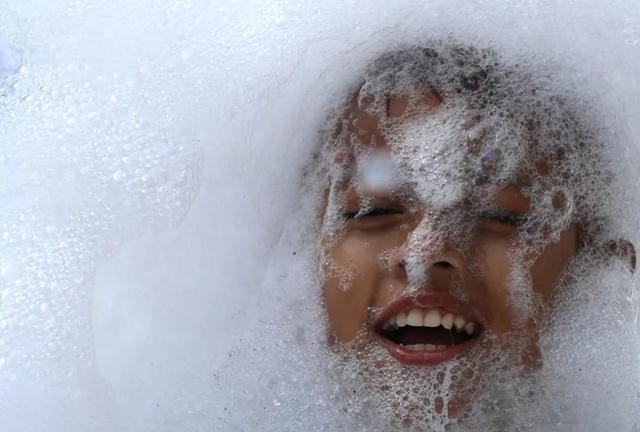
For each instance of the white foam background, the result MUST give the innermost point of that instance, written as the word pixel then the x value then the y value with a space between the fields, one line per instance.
pixel 150 154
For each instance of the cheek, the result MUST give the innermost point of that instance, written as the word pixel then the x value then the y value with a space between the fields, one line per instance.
pixel 490 290
pixel 351 273
pixel 549 265
pixel 355 278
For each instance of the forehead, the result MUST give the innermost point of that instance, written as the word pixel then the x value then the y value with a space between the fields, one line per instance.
pixel 445 152
pixel 436 131
pixel 455 134
pixel 368 123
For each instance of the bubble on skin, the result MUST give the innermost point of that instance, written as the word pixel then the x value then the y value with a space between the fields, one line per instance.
pixel 523 299
pixel 345 276
pixel 424 244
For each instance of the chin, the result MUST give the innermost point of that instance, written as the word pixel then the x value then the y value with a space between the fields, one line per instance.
pixel 386 393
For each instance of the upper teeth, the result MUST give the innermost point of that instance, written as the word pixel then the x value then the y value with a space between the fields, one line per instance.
pixel 417 317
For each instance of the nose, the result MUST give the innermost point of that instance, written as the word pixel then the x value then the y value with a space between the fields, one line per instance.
pixel 427 253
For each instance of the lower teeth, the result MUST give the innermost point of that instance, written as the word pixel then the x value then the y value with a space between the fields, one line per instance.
pixel 424 347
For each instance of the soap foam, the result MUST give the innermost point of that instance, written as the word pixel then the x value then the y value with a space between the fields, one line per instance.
pixel 160 268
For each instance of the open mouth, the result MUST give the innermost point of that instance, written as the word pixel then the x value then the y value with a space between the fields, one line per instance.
pixel 428 329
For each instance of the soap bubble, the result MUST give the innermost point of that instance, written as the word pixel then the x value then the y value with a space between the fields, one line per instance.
pixel 172 182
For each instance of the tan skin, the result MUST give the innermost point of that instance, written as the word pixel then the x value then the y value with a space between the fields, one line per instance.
pixel 481 270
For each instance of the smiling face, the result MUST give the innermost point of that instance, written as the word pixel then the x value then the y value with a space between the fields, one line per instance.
pixel 465 254
pixel 449 220
pixel 459 191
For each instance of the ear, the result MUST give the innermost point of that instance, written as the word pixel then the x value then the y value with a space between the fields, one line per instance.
pixel 624 250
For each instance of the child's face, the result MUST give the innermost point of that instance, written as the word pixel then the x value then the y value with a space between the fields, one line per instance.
pixel 463 289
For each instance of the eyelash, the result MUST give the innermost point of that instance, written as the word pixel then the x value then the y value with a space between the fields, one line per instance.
pixel 376 211
pixel 506 219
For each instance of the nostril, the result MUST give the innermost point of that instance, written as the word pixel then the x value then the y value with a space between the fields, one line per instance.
pixel 443 264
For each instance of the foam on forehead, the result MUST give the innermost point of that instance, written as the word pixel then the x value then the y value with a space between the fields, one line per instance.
pixel 497 123
pixel 438 154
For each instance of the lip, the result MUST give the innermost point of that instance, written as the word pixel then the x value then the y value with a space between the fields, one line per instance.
pixel 425 300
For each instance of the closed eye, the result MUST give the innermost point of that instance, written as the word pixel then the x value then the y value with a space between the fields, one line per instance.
pixel 504 218
pixel 371 213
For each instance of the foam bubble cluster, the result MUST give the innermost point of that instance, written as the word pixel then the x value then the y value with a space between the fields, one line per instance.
pixel 183 183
